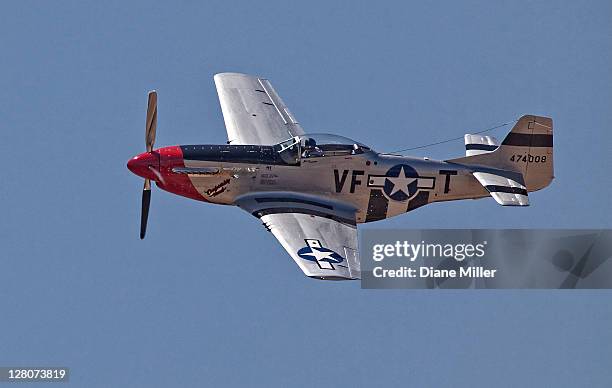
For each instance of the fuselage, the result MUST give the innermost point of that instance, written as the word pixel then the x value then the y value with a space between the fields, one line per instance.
pixel 377 185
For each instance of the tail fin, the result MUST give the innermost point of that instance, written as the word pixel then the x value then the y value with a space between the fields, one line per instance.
pixel 527 149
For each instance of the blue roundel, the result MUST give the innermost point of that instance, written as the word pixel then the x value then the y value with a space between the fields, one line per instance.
pixel 401 182
pixel 318 254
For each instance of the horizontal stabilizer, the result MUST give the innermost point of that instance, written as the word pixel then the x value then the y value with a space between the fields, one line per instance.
pixel 507 189
pixel 478 144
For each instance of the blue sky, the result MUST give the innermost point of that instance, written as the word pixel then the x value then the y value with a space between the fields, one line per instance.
pixel 210 298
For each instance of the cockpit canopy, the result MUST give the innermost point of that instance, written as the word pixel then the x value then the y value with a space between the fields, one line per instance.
pixel 318 145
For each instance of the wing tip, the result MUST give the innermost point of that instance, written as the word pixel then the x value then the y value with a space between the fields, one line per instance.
pixel 228 75
pixel 331 278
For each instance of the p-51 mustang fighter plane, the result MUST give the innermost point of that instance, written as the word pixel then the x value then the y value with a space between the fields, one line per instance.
pixel 311 190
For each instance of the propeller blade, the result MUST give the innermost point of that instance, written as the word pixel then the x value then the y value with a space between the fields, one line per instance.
pixel 151 127
pixel 146 201
pixel 151 121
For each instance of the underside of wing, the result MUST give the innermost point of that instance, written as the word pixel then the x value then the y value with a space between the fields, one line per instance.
pixel 253 111
pixel 320 236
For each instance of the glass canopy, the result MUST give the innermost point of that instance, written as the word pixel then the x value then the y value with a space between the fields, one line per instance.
pixel 318 145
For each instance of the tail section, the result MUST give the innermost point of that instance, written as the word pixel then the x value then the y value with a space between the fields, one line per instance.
pixel 527 150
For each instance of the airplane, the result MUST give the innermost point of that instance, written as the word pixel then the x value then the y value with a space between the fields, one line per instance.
pixel 311 190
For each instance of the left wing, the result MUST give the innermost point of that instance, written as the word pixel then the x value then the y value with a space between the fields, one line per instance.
pixel 253 112
pixel 320 236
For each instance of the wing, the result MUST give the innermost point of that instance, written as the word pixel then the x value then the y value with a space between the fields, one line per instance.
pixel 320 236
pixel 253 112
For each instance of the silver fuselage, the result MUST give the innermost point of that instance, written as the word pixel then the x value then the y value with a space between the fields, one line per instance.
pixel 377 185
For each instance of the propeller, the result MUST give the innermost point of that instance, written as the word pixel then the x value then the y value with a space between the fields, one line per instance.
pixel 151 127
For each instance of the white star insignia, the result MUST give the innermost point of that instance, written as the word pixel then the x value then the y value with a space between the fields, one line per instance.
pixel 319 256
pixel 401 182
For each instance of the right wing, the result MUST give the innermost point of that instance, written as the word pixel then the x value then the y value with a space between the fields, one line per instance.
pixel 253 111
pixel 320 236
